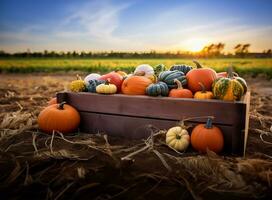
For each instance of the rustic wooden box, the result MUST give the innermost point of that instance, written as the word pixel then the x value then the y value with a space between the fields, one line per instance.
pixel 129 116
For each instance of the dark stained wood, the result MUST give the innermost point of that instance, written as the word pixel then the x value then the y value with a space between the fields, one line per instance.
pixel 130 116
pixel 138 128
pixel 157 107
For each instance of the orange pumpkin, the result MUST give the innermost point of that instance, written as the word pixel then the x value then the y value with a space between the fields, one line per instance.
pixel 60 117
pixel 203 94
pixel 180 92
pixel 207 136
pixel 199 74
pixel 52 101
pixel 135 85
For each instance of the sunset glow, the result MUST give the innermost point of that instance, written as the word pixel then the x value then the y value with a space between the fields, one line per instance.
pixel 196 44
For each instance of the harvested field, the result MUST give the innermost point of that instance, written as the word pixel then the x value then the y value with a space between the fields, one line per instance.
pixel 35 165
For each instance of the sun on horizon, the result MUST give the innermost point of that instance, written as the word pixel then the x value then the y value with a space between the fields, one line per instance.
pixel 196 44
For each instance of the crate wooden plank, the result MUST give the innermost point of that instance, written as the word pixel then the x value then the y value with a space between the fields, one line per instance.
pixel 138 128
pixel 228 113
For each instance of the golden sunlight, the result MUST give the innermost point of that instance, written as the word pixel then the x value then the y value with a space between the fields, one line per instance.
pixel 196 44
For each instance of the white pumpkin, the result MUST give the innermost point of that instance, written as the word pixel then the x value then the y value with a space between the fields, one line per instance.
pixel 92 76
pixel 144 68
pixel 178 138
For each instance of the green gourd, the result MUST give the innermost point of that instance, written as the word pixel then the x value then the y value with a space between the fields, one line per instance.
pixel 181 67
pixel 157 89
pixel 169 76
pixel 158 69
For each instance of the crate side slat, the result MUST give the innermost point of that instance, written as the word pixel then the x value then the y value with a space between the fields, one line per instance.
pixel 165 108
pixel 137 128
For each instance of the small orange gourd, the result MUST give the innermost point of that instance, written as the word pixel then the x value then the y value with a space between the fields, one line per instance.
pixel 59 117
pixel 203 94
pixel 207 136
pixel 180 92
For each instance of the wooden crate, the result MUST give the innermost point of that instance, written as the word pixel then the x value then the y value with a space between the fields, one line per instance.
pixel 129 116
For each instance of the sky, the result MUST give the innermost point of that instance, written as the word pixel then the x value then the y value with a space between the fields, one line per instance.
pixel 136 25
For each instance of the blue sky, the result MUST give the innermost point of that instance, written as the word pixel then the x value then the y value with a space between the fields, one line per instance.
pixel 137 25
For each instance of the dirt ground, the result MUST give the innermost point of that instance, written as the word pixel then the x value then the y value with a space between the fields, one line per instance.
pixel 34 165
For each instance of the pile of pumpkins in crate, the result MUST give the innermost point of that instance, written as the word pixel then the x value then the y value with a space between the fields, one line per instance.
pixel 181 81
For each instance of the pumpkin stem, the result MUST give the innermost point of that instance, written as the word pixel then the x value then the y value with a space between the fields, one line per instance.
pixel 198 65
pixel 178 137
pixel 178 83
pixel 203 89
pixel 78 77
pixel 61 105
pixel 209 123
pixel 230 72
pixel 107 81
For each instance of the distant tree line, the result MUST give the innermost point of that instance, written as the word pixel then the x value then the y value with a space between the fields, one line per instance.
pixel 209 51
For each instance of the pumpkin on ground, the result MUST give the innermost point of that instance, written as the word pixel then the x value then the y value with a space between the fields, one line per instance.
pixel 135 85
pixel 52 101
pixel 230 88
pixel 92 76
pixel 59 117
pixel 106 88
pixel 169 76
pixel 204 75
pixel 178 138
pixel 207 136
pixel 180 92
pixel 91 87
pixel 203 94
pixel 77 85
pixel 115 79
pixel 157 89
pixel 181 67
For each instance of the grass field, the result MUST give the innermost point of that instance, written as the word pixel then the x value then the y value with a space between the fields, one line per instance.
pixel 28 65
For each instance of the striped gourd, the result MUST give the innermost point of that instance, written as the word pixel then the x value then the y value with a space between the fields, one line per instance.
pixel 157 89
pixel 181 67
pixel 169 76
pixel 229 89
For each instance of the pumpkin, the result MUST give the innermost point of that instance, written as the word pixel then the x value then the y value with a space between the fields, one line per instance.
pixel 52 101
pixel 92 76
pixel 203 94
pixel 106 88
pixel 157 89
pixel 181 67
pixel 122 73
pixel 144 68
pixel 59 117
pixel 158 69
pixel 135 85
pixel 204 75
pixel 91 87
pixel 169 76
pixel 115 79
pixel 178 138
pixel 207 136
pixel 180 92
pixel 77 85
pixel 228 89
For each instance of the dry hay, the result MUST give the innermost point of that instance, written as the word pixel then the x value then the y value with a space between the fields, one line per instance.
pixel 88 166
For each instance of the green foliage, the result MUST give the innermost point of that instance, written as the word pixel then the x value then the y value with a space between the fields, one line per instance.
pixel 252 67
